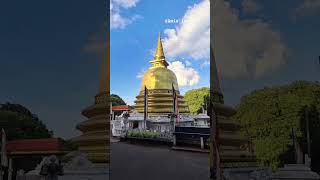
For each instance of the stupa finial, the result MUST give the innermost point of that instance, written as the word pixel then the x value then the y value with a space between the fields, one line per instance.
pixel 159 58
pixel 105 72
pixel 159 51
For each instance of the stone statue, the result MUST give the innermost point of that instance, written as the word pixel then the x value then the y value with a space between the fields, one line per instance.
pixel 51 168
pixel 21 175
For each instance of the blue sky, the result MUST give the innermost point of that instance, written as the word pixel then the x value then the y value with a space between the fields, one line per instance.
pixel 43 62
pixel 132 45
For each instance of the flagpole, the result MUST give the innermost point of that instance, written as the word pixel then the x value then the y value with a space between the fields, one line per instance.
pixel 177 108
pixel 145 107
pixel 174 106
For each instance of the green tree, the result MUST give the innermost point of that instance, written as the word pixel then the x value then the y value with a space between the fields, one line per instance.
pixel 312 115
pixel 195 99
pixel 116 100
pixel 269 115
pixel 20 123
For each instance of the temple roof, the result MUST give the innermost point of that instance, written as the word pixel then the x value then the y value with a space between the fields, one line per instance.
pixel 202 116
pixel 121 108
pixel 135 116
pixel 35 146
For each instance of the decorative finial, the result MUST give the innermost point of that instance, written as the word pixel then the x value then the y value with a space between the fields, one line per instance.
pixel 159 59
pixel 159 52
pixel 105 72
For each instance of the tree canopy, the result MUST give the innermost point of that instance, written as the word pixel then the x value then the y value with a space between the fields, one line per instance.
pixel 20 123
pixel 268 117
pixel 116 100
pixel 195 99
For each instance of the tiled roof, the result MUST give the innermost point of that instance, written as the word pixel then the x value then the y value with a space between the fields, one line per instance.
pixel 120 108
pixel 34 145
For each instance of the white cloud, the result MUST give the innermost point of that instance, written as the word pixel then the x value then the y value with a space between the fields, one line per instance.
pixel 124 3
pixel 247 48
pixel 250 6
pixel 192 36
pixel 141 73
pixel 307 7
pixel 186 76
pixel 117 21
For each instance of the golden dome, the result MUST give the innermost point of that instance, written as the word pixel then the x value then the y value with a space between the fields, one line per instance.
pixel 159 78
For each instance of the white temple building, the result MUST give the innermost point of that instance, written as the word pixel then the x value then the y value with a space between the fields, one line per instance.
pixel 163 124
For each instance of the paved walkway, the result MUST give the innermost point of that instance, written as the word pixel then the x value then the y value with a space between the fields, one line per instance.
pixel 139 162
pixel 114 139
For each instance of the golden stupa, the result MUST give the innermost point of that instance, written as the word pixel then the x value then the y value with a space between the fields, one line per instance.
pixel 159 81
pixel 95 140
pixel 233 147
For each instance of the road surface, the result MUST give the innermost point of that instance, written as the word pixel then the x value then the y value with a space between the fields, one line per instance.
pixel 141 162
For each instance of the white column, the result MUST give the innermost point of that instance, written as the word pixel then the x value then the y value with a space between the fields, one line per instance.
pixel 174 140
pixel 202 144
pixel 10 169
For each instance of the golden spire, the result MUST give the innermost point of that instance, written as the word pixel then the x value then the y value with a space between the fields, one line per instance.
pixel 159 59
pixel 215 89
pixel 159 51
pixel 105 73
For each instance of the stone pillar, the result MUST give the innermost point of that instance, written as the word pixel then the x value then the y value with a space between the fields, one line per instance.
pixel 10 169
pixel 202 143
pixel 174 140
pixel 307 160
